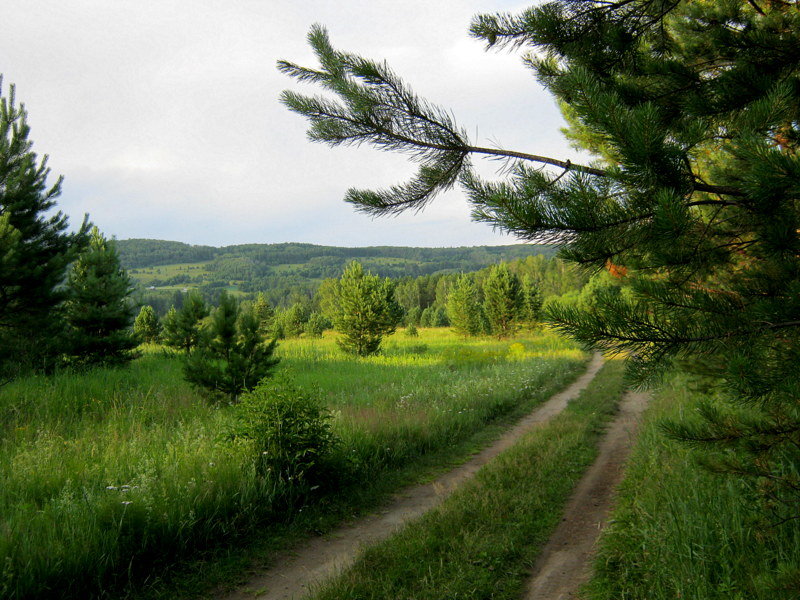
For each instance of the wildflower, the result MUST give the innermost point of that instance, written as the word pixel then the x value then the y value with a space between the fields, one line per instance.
pixel 126 502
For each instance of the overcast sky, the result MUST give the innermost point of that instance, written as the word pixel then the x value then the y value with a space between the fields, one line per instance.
pixel 163 116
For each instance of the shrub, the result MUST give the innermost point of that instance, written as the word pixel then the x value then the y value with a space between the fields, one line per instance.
pixel 291 433
pixel 316 325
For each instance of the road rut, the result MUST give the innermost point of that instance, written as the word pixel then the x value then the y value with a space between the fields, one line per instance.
pixel 319 558
pixel 566 560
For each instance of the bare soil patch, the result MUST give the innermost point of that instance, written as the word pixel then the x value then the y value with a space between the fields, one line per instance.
pixel 565 562
pixel 291 576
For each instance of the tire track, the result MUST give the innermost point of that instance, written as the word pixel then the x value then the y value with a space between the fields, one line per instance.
pixel 566 560
pixel 319 558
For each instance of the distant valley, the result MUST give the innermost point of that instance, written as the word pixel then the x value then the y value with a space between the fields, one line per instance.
pixel 163 268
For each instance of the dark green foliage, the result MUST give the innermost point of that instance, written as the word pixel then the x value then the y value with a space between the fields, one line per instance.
pixel 291 434
pixel 35 248
pixel 692 109
pixel 316 325
pixel 98 311
pixel 169 327
pixel 290 322
pixel 464 308
pixel 182 327
pixel 413 316
pixel 231 356
pixel 434 316
pixel 532 301
pixel 503 300
pixel 147 327
pixel 365 310
pixel 411 330
pixel 264 313
pixel 150 253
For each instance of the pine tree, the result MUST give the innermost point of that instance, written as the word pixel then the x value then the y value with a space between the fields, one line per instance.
pixel 502 300
pixel 692 110
pixel 316 325
pixel 182 327
pixel 169 327
pixel 231 355
pixel 99 313
pixel 532 302
pixel 35 248
pixel 365 310
pixel 265 314
pixel 463 307
pixel 146 326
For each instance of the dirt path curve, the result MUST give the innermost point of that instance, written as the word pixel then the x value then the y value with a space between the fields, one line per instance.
pixel 319 558
pixel 565 562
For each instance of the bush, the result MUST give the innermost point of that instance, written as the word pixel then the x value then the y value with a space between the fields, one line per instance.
pixel 316 325
pixel 292 435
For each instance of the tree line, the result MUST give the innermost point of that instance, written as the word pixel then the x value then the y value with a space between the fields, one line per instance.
pixel 65 299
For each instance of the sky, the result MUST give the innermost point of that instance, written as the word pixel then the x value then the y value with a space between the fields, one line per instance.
pixel 164 119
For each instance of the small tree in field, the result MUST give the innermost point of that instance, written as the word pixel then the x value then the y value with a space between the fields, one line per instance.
pixel 182 327
pixel 147 326
pixel 463 307
pixel 265 314
pixel 532 302
pixel 316 325
pixel 231 356
pixel 502 293
pixel 99 313
pixel 365 310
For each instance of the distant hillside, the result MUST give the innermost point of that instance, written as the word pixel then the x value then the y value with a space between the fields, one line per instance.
pixel 153 253
pixel 141 253
pixel 285 269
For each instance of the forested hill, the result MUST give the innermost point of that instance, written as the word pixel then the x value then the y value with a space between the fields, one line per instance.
pixel 154 253
pixel 257 261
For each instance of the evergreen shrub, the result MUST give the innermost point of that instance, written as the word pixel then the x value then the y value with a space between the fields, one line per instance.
pixel 291 433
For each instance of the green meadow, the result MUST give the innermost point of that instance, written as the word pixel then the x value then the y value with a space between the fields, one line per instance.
pixel 682 531
pixel 112 475
pixel 145 275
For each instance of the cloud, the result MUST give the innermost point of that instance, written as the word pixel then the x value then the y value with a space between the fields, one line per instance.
pixel 165 121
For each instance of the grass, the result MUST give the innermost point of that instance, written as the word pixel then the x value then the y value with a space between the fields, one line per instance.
pixel 482 541
pixel 111 476
pixel 145 275
pixel 680 531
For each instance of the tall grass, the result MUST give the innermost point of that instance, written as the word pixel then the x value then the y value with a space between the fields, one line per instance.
pixel 482 540
pixel 680 531
pixel 112 474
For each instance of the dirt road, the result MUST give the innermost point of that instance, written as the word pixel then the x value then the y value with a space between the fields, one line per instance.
pixel 565 562
pixel 321 557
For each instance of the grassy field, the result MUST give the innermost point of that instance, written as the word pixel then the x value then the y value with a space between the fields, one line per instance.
pixel 482 541
pixel 145 275
pixel 680 531
pixel 117 473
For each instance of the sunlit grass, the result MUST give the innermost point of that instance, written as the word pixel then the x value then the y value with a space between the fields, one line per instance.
pixel 482 541
pixel 680 531
pixel 110 472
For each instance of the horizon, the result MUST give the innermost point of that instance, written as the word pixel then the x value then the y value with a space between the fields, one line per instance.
pixel 518 243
